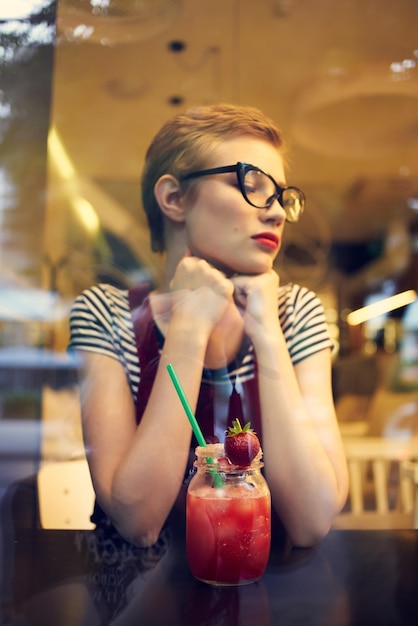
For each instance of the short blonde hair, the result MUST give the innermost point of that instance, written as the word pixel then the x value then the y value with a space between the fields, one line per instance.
pixel 185 143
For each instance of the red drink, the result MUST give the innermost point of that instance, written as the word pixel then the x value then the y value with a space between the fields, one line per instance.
pixel 228 526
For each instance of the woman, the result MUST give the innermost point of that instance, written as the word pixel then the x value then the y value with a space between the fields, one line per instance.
pixel 216 200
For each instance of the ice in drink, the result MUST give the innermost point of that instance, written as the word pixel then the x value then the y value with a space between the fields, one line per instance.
pixel 228 524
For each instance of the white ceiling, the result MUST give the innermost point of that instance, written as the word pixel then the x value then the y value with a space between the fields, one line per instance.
pixel 339 77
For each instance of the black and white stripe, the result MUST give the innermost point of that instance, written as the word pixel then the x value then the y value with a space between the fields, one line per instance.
pixel 101 322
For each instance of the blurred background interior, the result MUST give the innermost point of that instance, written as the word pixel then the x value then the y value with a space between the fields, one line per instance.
pixel 85 84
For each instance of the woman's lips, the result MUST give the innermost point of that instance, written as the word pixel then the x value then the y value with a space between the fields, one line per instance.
pixel 270 240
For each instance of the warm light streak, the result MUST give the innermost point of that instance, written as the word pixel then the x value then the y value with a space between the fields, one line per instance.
pixel 83 208
pixel 379 308
pixel 60 155
pixel 86 214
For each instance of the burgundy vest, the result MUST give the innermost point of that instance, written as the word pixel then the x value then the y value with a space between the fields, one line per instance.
pixel 147 342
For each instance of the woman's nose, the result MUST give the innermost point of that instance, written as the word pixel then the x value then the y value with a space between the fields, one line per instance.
pixel 274 213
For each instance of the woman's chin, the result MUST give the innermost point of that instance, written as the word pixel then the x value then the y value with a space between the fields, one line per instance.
pixel 247 269
pixel 235 267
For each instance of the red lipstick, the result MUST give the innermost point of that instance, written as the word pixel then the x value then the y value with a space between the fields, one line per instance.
pixel 267 239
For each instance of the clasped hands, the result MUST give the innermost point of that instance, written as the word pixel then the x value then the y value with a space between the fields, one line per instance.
pixel 207 294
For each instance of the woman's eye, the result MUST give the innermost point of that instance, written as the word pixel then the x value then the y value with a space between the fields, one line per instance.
pixel 253 182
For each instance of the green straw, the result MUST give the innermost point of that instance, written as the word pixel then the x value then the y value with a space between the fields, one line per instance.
pixel 193 421
pixel 186 406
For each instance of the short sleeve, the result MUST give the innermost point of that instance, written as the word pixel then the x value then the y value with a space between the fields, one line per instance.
pixel 101 322
pixel 303 322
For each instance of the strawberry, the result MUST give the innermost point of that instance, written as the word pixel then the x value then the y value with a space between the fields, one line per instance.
pixel 224 463
pixel 241 444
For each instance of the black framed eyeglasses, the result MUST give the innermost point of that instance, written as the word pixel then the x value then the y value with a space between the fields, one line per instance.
pixel 259 188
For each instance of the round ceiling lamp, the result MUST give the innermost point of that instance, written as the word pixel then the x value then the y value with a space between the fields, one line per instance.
pixel 358 115
pixel 114 22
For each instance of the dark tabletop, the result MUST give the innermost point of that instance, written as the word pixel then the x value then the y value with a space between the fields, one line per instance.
pixel 77 578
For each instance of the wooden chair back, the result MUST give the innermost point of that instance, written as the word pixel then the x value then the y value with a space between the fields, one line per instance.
pixel 381 492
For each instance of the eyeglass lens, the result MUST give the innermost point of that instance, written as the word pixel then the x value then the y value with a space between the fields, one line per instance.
pixel 260 190
pixel 292 204
pixel 258 187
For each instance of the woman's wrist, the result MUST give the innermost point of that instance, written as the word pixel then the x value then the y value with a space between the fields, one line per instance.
pixel 188 333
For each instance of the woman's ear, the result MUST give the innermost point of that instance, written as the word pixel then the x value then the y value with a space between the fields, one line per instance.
pixel 169 197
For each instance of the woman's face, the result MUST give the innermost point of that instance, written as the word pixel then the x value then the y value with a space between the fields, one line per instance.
pixel 221 226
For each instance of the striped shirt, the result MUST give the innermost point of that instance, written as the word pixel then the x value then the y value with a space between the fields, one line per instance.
pixel 101 322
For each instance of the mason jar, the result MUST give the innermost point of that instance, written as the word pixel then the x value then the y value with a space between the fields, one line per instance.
pixel 228 519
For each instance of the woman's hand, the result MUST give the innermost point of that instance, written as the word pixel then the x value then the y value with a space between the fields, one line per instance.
pixel 257 296
pixel 200 291
pixel 302 450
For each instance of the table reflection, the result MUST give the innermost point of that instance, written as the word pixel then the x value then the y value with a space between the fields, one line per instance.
pixel 93 577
